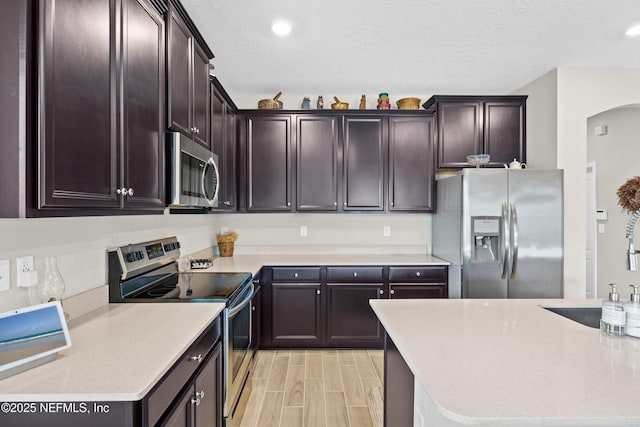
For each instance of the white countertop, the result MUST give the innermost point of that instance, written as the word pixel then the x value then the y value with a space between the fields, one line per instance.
pixel 511 362
pixel 118 353
pixel 253 263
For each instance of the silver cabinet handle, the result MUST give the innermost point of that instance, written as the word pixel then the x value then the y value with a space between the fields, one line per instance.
pixel 227 203
pixel 345 203
pixel 417 274
pixel 197 131
pixel 288 203
pixel 125 191
pixel 355 274
pixel 295 274
pixel 193 129
pixel 317 291
pixel 335 203
pixel 200 394
pixel 381 291
pixel 392 292
pixel 197 358
pixel 253 308
pixel 195 401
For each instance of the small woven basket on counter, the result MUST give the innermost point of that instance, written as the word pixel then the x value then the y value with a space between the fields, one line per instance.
pixel 226 243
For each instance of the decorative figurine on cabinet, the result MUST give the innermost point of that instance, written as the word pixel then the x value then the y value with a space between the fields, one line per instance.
pixel 383 101
pixel 320 104
pixel 306 103
pixel 363 102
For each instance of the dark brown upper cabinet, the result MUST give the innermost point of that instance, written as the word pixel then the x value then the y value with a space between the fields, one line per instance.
pixel 268 163
pixel 339 162
pixel 494 125
pixel 224 143
pixel 317 162
pixel 187 76
pixel 101 93
pixel 411 163
pixel 365 145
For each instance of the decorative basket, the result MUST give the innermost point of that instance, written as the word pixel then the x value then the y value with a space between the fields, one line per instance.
pixel 226 249
pixel 271 104
pixel 338 105
pixel 408 103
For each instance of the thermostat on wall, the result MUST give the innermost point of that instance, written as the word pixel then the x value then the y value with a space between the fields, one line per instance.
pixel 601 214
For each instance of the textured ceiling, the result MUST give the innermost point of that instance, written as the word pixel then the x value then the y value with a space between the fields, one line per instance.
pixel 410 47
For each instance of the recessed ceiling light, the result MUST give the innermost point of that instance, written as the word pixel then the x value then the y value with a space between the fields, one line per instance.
pixel 634 31
pixel 281 28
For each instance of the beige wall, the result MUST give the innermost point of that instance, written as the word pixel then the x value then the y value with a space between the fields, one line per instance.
pixel 581 93
pixel 615 155
pixel 81 245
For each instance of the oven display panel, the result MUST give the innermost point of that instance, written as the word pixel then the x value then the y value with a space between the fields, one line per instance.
pixel 155 250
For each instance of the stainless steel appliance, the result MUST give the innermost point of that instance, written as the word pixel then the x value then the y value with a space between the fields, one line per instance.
pixel 148 272
pixel 502 231
pixel 193 173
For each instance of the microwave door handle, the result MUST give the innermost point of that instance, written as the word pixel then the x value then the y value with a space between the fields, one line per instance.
pixel 235 310
pixel 505 240
pixel 516 238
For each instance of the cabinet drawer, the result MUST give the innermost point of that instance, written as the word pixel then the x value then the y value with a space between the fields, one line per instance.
pixel 354 274
pixel 165 391
pixel 422 274
pixel 296 273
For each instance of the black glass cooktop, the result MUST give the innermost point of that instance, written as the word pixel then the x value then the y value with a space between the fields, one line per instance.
pixel 222 287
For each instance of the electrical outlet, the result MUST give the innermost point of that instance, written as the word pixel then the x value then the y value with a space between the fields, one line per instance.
pixel 26 276
pixel 386 231
pixel 303 231
pixel 5 277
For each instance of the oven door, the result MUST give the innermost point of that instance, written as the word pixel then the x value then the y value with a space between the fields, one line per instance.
pixel 237 351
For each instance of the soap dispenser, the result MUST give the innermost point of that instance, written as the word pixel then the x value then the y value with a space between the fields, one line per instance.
pixel 613 315
pixel 632 310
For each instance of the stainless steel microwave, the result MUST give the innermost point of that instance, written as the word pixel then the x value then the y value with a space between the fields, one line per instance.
pixel 193 173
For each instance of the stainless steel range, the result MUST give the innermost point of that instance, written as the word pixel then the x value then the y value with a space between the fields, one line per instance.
pixel 148 272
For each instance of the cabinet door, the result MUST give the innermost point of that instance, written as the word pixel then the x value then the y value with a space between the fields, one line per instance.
pixel 295 314
pixel 182 414
pixel 364 163
pixel 504 131
pixel 411 163
pixel 179 74
pixel 200 88
pixel 143 105
pixel 208 392
pixel 77 146
pixel 269 163
pixel 459 132
pixel 351 321
pixel 256 316
pixel 223 144
pixel 415 290
pixel 317 163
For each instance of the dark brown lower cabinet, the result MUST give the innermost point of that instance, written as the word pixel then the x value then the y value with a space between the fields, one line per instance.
pixel 398 388
pixel 314 307
pixel 295 314
pixel 350 320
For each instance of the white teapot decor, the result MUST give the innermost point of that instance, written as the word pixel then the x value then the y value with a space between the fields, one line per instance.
pixel 515 165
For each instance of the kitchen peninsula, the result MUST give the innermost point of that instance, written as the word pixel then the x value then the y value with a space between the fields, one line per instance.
pixel 512 363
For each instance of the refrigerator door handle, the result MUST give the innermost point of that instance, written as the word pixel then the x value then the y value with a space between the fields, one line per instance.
pixel 515 236
pixel 505 240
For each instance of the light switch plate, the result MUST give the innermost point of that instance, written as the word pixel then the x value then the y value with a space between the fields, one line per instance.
pixel 5 275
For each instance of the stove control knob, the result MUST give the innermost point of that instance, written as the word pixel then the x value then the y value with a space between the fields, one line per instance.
pixel 129 257
pixel 139 255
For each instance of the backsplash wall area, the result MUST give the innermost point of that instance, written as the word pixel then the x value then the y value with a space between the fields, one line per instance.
pixel 81 243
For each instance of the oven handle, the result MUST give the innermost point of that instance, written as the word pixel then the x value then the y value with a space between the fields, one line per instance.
pixel 235 310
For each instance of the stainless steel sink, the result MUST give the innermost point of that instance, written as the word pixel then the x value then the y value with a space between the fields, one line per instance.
pixel 588 316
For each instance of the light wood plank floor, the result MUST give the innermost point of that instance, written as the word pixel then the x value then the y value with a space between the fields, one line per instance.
pixel 315 388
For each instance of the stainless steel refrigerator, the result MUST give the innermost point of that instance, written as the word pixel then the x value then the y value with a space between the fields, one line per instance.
pixel 502 231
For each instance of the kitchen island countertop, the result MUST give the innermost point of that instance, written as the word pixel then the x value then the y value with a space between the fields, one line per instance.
pixel 511 362
pixel 118 353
